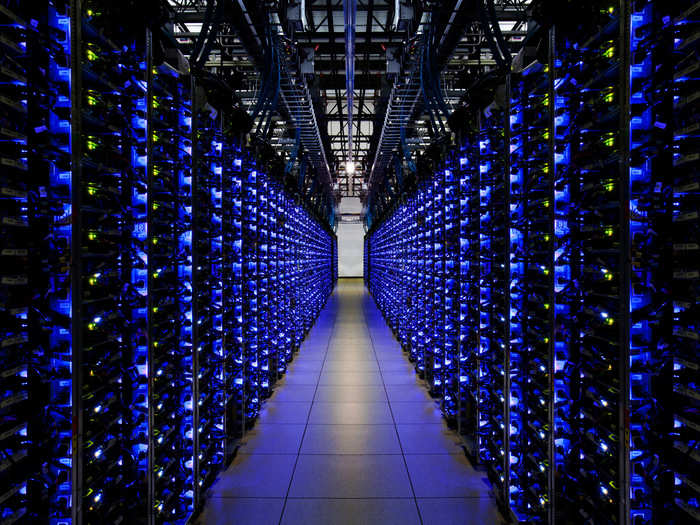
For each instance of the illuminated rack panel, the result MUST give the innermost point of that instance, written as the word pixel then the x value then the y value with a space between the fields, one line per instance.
pixel 494 304
pixel 266 354
pixel 451 294
pixel 407 333
pixel 686 261
pixel 334 261
pixel 207 303
pixel 313 247
pixel 531 294
pixel 170 295
pixel 592 76
pixel 566 295
pixel 412 272
pixel 35 287
pixel 409 312
pixel 285 271
pixel 424 245
pixel 650 305
pixel 581 399
pixel 288 274
pixel 365 260
pixel 16 288
pixel 122 255
pixel 415 274
pixel 287 326
pixel 469 416
pixel 251 305
pixel 435 356
pixel 232 295
pixel 432 296
pixel 277 278
pixel 293 250
pixel 109 206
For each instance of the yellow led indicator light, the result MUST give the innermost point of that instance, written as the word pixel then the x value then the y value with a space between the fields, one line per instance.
pixel 610 50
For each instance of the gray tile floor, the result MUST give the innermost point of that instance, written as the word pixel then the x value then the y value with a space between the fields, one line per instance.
pixel 350 437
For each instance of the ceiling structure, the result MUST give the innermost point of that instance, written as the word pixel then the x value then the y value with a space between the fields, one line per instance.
pixel 384 30
pixel 375 32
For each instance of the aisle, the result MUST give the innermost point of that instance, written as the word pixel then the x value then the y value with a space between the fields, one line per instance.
pixel 350 437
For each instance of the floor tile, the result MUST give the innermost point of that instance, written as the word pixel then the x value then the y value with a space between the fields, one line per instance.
pixel 356 341
pixel 352 337
pixel 256 476
pixel 350 356
pixel 273 439
pixel 281 413
pixel 396 366
pixel 351 512
pixel 350 413
pixel 404 393
pixel 294 378
pixel 388 349
pixel 350 476
pixel 429 439
pixel 241 511
pixel 421 412
pixel 296 393
pixel 445 476
pixel 401 378
pixel 317 343
pixel 385 343
pixel 350 439
pixel 357 366
pixel 305 365
pixel 351 378
pixel 312 354
pixel 350 394
pixel 459 511
pixel 393 364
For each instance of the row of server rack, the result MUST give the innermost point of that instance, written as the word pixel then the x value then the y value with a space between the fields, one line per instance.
pixel 155 279
pixel 545 276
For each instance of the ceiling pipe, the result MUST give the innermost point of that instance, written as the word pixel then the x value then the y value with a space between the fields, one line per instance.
pixel 244 10
pixel 350 12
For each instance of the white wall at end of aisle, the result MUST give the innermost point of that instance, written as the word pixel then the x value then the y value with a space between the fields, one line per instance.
pixel 350 248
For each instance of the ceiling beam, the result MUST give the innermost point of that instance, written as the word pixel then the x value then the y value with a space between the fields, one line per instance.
pixel 327 82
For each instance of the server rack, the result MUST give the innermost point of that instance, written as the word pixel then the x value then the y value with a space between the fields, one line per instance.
pixel 469 398
pixel 592 84
pixel 413 265
pixel 109 104
pixel 208 371
pixel 37 350
pixel 531 293
pixel 493 354
pixel 451 292
pixel 685 284
pixel 266 354
pixel 251 273
pixel 233 328
pixel 580 398
pixel 170 294
pixel 432 355
pixel 122 303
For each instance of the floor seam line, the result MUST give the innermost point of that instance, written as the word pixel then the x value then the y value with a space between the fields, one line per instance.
pixel 396 429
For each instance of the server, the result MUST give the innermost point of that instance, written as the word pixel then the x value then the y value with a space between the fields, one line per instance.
pixel 576 295
pixel 157 277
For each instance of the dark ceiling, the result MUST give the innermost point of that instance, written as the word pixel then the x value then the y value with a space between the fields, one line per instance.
pixel 316 28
